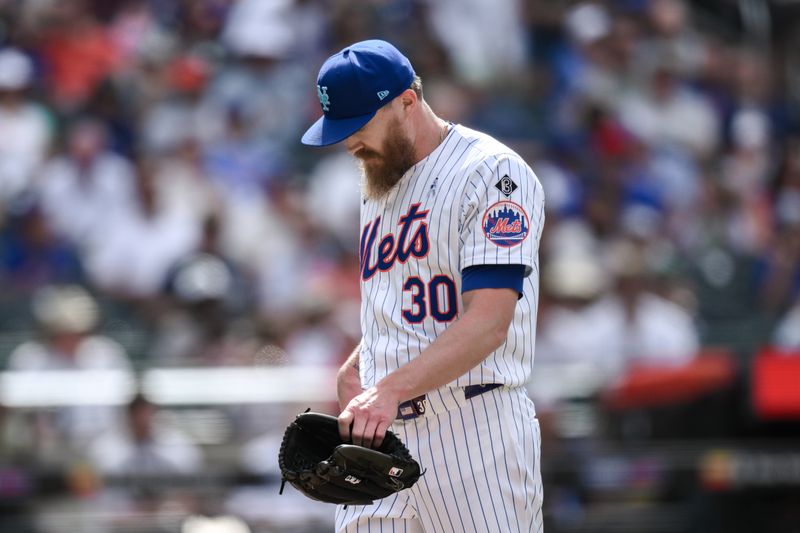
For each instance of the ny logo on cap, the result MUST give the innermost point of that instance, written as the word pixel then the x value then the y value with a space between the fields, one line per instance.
pixel 324 99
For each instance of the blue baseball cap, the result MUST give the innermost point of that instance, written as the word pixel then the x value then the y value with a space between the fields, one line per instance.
pixel 353 85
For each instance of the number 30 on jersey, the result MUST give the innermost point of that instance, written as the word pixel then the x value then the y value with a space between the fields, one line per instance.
pixel 437 299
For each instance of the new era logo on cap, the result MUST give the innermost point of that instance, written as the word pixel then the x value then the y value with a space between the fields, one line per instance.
pixel 348 83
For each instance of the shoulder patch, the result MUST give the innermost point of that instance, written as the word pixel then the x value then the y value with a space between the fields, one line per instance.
pixel 506 186
pixel 506 224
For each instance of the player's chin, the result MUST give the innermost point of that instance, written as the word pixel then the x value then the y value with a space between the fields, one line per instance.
pixel 374 170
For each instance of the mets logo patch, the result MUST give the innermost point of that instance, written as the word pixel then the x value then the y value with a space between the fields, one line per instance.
pixel 506 224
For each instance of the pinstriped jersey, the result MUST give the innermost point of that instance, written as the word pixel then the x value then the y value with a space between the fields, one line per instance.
pixel 472 201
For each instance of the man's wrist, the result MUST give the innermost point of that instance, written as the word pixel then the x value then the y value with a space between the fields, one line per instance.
pixel 395 385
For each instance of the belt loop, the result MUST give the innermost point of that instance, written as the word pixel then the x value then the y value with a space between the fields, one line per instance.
pixel 470 391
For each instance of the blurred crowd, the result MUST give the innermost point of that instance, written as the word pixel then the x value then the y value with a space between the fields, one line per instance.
pixel 157 208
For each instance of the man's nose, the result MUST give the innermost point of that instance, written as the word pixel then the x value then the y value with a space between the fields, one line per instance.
pixel 353 145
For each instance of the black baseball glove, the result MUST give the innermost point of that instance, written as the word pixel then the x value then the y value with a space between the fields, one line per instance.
pixel 315 460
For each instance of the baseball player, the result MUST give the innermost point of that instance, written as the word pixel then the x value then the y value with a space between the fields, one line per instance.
pixel 450 226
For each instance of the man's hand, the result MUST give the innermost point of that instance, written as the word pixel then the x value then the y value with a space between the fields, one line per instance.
pixel 367 417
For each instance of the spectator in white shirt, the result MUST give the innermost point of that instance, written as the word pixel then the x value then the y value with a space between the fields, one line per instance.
pixel 610 331
pixel 667 113
pixel 24 126
pixel 81 189
pixel 138 246
pixel 67 316
pixel 144 447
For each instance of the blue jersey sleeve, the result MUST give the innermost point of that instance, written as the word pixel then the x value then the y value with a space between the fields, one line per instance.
pixel 493 277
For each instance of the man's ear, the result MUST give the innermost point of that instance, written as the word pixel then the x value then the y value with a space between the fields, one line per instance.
pixel 408 100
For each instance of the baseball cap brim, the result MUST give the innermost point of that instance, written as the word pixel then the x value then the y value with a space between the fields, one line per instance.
pixel 326 131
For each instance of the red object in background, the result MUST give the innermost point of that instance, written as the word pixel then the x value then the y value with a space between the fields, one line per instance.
pixel 711 370
pixel 775 384
pixel 188 73
pixel 611 140
pixel 77 62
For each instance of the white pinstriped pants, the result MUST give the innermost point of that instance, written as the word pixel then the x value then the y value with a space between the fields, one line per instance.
pixel 482 472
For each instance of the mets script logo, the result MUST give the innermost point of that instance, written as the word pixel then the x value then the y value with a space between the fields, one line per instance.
pixel 506 224
pixel 411 240
pixel 324 99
